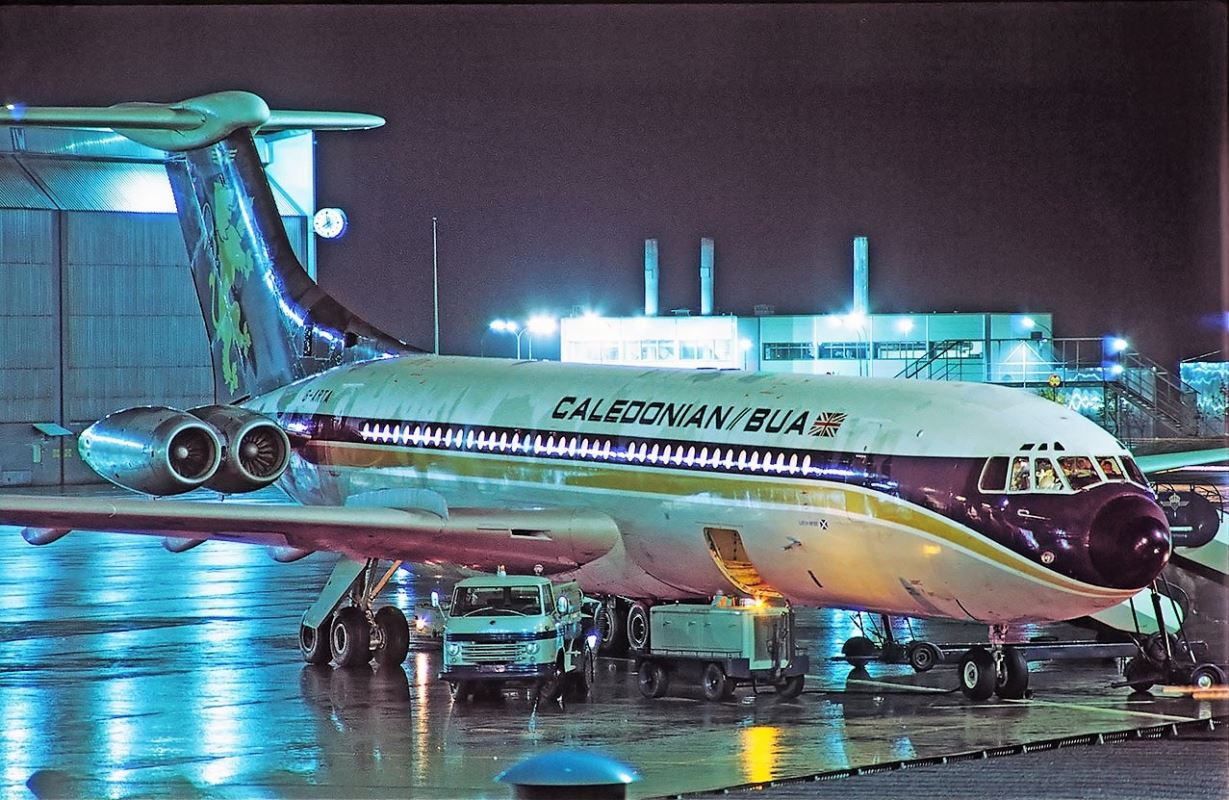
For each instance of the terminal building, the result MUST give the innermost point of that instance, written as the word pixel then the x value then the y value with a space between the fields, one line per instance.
pixel 1101 377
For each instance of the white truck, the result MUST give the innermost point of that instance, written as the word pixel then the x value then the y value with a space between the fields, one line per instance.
pixel 518 629
pixel 723 644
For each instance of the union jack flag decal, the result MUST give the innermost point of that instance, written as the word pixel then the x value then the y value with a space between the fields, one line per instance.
pixel 827 423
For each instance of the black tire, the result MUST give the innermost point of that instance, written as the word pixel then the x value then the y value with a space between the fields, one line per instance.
pixel 609 627
pixel 395 631
pixel 859 651
pixel 977 678
pixel 462 691
pixel 638 627
pixel 1205 676
pixel 791 687
pixel 1014 683
pixel 550 687
pixel 350 637
pixel 923 656
pixel 582 679
pixel 715 683
pixel 652 679
pixel 1136 669
pixel 314 642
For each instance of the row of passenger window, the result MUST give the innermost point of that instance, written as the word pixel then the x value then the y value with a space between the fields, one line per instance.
pixel 1055 474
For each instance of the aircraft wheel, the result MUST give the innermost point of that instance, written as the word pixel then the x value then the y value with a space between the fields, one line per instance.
pixel 1205 676
pixel 716 684
pixel 653 679
pixel 859 651
pixel 314 642
pixel 1013 684
pixel 638 626
pixel 350 637
pixel 977 678
pixel 395 632
pixel 1137 668
pixel 609 628
pixel 923 656
pixel 791 687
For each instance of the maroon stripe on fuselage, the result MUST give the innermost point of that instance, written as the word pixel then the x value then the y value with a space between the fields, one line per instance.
pixel 1049 529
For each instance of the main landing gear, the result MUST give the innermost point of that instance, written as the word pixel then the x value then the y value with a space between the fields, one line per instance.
pixel 998 670
pixel 344 626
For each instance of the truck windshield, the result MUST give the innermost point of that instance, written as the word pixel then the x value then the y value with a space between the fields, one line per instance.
pixel 497 600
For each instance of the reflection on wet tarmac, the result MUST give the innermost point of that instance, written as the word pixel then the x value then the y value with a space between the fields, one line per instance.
pixel 126 670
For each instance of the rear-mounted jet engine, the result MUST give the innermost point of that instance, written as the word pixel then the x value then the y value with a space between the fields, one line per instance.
pixel 256 451
pixel 152 449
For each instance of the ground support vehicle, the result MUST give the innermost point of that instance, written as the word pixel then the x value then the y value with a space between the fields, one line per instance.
pixel 721 645
pixel 506 630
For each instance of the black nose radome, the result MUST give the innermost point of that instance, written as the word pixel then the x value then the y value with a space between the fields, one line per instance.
pixel 1129 542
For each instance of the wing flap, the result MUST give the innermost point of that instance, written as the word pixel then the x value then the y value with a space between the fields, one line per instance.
pixel 520 539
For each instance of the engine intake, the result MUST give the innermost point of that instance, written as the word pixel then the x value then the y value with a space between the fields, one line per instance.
pixel 152 449
pixel 256 450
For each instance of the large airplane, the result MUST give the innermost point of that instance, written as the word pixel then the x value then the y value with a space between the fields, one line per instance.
pixel 953 500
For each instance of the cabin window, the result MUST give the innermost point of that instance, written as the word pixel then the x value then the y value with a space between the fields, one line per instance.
pixel 1020 481
pixel 1045 476
pixel 1109 465
pixel 994 475
pixel 1080 471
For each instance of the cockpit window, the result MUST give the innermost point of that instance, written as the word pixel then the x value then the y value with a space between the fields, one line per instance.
pixel 1133 471
pixel 1045 476
pixel 1080 471
pixel 1109 465
pixel 1020 474
pixel 994 475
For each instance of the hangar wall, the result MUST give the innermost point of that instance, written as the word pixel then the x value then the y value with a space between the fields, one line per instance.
pixel 97 306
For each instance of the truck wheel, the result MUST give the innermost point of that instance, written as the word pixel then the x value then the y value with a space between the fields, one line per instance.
pixel 791 687
pixel 638 626
pixel 716 684
pixel 549 687
pixel 1137 670
pixel 462 691
pixel 350 637
pixel 653 679
pixel 1205 676
pixel 582 680
pixel 395 632
pixel 859 651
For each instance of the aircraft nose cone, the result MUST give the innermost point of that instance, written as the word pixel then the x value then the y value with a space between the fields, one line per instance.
pixel 1129 542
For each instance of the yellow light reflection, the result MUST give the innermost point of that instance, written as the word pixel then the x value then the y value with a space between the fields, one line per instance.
pixel 759 752
pixel 422 717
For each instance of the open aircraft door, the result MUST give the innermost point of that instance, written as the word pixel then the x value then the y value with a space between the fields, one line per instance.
pixel 726 547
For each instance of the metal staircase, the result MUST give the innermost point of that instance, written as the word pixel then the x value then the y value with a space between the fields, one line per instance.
pixel 1127 393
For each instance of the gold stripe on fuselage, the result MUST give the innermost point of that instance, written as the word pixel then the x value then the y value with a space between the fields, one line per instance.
pixel 649 480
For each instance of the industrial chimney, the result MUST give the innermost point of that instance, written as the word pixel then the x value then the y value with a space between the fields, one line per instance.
pixel 650 277
pixel 706 276
pixel 861 268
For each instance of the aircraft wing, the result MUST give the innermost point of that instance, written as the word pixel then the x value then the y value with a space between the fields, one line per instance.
pixel 1161 462
pixel 557 539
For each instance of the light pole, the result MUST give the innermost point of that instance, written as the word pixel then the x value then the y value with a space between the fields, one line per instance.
pixel 538 325
pixel 435 283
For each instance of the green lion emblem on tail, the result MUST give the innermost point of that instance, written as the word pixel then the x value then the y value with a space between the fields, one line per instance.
pixel 233 264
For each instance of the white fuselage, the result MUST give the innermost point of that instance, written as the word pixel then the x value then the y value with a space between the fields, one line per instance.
pixel 669 454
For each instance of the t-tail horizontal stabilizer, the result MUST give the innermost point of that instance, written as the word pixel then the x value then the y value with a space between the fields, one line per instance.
pixel 189 124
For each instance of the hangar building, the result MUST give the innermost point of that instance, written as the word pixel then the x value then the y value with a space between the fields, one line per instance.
pixel 97 307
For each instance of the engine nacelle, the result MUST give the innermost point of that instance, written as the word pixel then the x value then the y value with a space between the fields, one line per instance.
pixel 152 449
pixel 255 453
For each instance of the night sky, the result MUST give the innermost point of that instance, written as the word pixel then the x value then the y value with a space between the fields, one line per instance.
pixel 1039 157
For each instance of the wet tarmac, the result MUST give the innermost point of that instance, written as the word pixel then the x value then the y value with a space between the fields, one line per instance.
pixel 126 671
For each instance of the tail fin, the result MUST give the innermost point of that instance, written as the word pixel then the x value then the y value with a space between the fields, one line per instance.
pixel 268 322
